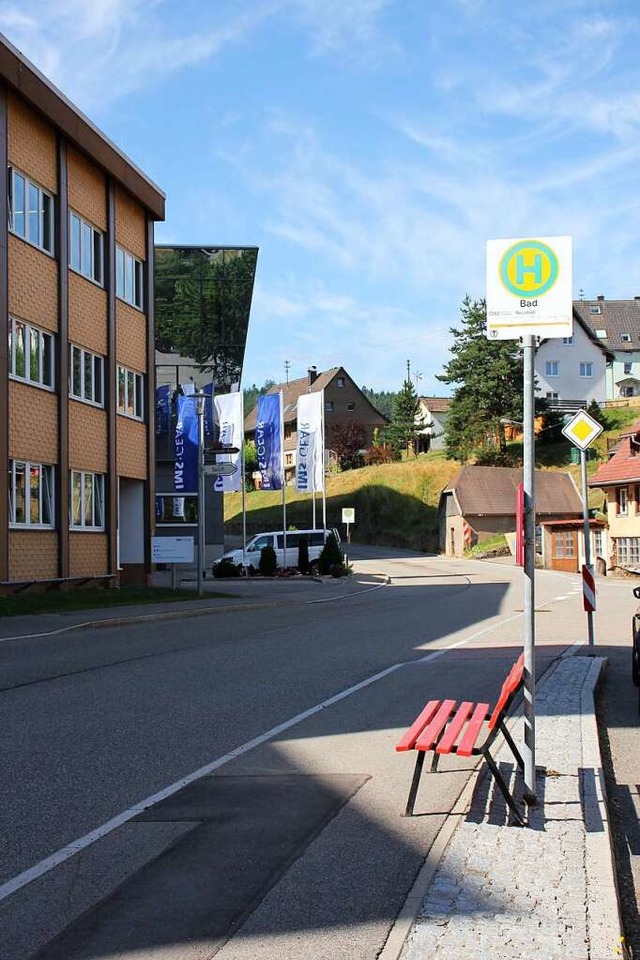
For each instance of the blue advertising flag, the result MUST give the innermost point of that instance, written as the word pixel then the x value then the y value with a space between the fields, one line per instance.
pixel 163 409
pixel 185 474
pixel 269 441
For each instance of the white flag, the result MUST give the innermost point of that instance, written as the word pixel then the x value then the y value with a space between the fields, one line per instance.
pixel 230 419
pixel 310 449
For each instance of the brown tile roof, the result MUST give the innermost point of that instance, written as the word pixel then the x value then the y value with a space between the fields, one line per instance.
pixel 623 465
pixel 295 388
pixel 436 404
pixel 616 317
pixel 492 491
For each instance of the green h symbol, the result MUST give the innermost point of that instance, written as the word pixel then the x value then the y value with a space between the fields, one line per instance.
pixel 522 269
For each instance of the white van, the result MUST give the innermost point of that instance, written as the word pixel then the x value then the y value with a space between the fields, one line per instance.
pixel 316 540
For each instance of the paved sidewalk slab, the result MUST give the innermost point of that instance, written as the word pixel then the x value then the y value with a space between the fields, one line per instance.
pixel 546 890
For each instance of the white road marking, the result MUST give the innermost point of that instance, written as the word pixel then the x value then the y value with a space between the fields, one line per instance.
pixel 81 843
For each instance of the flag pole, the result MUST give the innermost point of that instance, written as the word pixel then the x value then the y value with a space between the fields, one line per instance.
pixel 324 477
pixel 283 476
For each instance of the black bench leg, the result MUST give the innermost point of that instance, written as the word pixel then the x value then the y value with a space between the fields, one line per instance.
pixel 504 790
pixel 510 741
pixel 413 792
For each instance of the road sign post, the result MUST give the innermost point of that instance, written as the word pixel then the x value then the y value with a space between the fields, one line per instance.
pixel 529 295
pixel 582 430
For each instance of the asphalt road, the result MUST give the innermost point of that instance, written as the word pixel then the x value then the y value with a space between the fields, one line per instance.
pixel 291 712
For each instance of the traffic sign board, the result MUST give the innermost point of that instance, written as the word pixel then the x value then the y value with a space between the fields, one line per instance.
pixel 529 290
pixel 582 430
pixel 219 469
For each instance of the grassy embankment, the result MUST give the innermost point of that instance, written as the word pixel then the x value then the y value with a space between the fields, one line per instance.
pixel 397 504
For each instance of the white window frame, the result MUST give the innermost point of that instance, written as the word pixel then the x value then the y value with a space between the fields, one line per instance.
pixel 552 368
pixel 129 278
pixel 38 350
pixel 86 249
pixel 36 225
pixel 88 385
pixel 86 501
pixel 586 369
pixel 622 502
pixel 625 337
pixel 39 494
pixel 130 393
pixel 628 550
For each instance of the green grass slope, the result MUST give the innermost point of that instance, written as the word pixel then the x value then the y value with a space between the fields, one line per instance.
pixel 397 503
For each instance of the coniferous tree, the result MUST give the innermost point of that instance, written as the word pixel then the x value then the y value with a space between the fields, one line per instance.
pixel 401 432
pixel 488 375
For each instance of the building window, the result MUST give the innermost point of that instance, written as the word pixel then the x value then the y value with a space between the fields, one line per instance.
pixel 288 431
pixel 586 369
pixel 351 405
pixel 86 376
pixel 564 541
pixel 551 368
pixel 130 393
pixel 625 337
pixel 128 278
pixel 628 551
pixel 30 211
pixel 598 542
pixel 595 309
pixel 567 341
pixel 30 494
pixel 30 353
pixel 288 459
pixel 628 368
pixel 622 501
pixel 551 395
pixel 87 500
pixel 329 406
pixel 340 381
pixel 85 248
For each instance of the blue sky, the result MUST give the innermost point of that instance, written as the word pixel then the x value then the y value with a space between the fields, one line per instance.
pixel 370 148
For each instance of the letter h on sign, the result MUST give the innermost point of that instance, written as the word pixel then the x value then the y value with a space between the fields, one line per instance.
pixel 522 269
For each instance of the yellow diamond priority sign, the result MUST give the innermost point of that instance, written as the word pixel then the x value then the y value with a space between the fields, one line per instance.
pixel 582 430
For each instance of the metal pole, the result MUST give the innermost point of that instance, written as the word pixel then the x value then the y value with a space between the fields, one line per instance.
pixel 201 524
pixel 529 751
pixel 587 543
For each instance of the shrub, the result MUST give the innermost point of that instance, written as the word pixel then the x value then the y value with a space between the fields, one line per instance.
pixel 379 454
pixel 268 562
pixel 338 570
pixel 330 556
pixel 226 568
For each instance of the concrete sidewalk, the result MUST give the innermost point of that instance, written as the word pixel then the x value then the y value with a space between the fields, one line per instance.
pixel 546 891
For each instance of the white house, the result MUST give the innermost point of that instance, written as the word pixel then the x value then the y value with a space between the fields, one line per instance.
pixel 616 325
pixel 573 370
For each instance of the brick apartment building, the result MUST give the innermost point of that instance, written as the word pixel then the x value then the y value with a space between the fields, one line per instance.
pixel 76 341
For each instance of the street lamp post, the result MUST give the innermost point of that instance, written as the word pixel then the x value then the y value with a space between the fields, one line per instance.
pixel 200 402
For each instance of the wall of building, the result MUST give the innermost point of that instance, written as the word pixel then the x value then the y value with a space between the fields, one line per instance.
pixel 46 425
pixel 569 385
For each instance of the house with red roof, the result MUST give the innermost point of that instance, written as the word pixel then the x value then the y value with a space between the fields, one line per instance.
pixel 619 477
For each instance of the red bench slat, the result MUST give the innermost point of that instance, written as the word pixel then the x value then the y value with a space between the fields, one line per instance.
pixel 454 728
pixel 470 735
pixel 409 738
pixel 509 687
pixel 431 732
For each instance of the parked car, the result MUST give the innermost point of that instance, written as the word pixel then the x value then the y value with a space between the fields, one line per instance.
pixel 316 540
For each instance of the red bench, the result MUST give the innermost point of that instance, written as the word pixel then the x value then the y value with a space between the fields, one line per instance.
pixel 445 726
